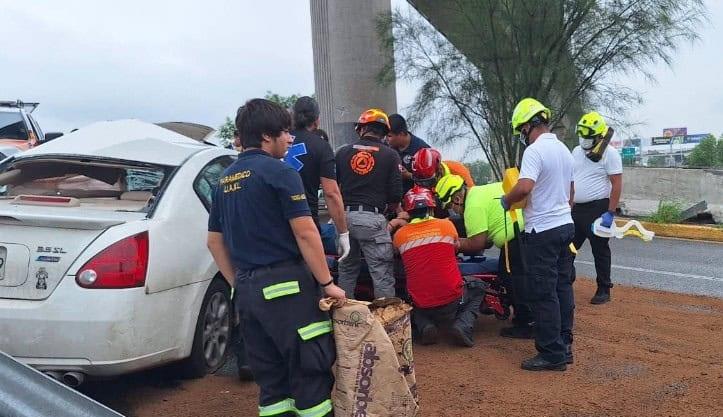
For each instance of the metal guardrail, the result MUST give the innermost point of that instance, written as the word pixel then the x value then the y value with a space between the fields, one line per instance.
pixel 25 392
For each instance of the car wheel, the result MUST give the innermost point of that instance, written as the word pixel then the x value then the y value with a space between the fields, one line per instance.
pixel 212 337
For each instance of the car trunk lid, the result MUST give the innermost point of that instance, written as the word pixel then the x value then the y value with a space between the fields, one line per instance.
pixel 38 244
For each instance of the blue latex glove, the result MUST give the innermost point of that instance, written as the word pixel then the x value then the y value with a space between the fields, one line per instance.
pixel 607 219
pixel 505 206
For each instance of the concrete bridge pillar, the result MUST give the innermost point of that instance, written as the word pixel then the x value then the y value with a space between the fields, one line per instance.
pixel 347 58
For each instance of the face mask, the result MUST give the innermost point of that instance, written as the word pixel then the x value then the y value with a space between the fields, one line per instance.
pixel 523 138
pixel 522 141
pixel 587 144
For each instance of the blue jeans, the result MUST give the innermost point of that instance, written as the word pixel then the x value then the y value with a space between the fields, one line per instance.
pixel 549 289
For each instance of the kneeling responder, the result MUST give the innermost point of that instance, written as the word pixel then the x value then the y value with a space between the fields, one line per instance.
pixel 439 294
pixel 260 228
pixel 370 178
pixel 487 224
pixel 428 168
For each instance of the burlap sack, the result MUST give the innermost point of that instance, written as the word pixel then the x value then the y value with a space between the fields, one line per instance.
pixel 370 381
pixel 394 315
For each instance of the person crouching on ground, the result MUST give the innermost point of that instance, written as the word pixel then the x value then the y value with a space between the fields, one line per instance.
pixel 488 224
pixel 439 294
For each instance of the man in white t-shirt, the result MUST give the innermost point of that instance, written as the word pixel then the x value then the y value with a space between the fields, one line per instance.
pixel 598 184
pixel 546 179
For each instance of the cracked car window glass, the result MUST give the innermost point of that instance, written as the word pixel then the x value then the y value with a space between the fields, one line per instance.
pixel 143 180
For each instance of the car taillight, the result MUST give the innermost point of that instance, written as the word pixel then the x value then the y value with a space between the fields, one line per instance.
pixel 121 265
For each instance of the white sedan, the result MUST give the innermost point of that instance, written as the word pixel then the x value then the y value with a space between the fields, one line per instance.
pixel 104 268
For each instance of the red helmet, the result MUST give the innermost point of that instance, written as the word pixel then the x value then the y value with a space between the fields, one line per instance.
pixel 424 166
pixel 419 198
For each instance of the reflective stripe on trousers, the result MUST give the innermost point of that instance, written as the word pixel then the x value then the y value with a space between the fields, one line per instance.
pixel 320 410
pixel 287 406
pixel 281 289
pixel 315 329
pixel 283 406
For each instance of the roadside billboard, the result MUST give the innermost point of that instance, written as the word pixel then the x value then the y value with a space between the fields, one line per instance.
pixel 696 138
pixel 675 131
pixel 661 140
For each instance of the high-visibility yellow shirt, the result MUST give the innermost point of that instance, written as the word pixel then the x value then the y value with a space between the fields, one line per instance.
pixel 483 213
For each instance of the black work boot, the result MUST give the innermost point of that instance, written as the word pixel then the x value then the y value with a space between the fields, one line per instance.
pixel 428 335
pixel 518 332
pixel 569 359
pixel 538 363
pixel 602 296
pixel 461 336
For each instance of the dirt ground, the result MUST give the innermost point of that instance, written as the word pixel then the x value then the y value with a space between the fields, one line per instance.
pixel 647 353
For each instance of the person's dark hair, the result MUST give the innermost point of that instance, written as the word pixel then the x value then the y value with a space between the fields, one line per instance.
pixel 306 111
pixel 398 124
pixel 376 129
pixel 260 117
pixel 322 134
pixel 419 213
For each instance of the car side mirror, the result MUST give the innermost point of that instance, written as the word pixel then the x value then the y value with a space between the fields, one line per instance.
pixel 52 135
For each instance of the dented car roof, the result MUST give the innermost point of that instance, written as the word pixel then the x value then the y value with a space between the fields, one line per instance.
pixel 132 140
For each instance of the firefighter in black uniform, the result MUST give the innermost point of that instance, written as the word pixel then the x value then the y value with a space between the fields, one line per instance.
pixel 260 228
pixel 370 178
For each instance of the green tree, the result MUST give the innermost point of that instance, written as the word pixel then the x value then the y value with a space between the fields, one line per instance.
pixel 481 172
pixel 225 131
pixel 566 53
pixel 719 152
pixel 286 102
pixel 704 153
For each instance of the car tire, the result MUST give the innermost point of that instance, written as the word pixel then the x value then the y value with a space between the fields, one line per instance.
pixel 212 337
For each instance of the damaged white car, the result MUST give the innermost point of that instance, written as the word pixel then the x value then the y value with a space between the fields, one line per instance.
pixel 104 268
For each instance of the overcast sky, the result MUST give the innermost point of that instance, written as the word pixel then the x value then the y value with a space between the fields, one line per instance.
pixel 198 61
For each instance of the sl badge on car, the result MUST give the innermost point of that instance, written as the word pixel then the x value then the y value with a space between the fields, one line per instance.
pixel 50 249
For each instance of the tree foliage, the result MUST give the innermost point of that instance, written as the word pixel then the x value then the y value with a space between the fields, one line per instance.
pixel 705 154
pixel 481 172
pixel 565 53
pixel 225 131
pixel 286 102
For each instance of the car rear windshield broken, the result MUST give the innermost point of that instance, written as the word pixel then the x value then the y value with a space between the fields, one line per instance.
pixel 101 184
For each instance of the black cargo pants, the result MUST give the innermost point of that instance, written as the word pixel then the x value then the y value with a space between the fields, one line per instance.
pixel 288 340
pixel 584 214
pixel 514 283
pixel 548 286
pixel 462 312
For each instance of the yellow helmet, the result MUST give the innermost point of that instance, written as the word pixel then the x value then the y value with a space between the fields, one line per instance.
pixel 373 116
pixel 525 110
pixel 591 125
pixel 447 186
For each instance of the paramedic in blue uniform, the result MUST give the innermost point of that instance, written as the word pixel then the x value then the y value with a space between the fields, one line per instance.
pixel 261 232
